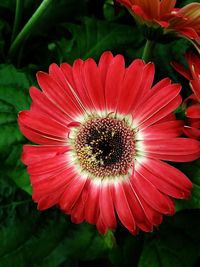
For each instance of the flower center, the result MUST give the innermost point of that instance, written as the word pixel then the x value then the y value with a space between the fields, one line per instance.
pixel 105 147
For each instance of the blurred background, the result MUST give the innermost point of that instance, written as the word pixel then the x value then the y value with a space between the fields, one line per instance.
pixel 66 30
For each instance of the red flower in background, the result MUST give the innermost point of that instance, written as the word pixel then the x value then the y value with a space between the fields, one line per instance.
pixel 193 111
pixel 162 13
pixel 104 133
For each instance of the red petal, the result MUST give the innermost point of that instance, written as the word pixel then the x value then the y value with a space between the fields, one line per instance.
pixel 154 217
pixel 79 85
pixel 130 88
pixel 191 132
pixel 127 3
pixel 156 103
pixel 151 195
pixel 49 165
pixel 32 154
pixel 114 78
pixel 162 113
pixel 140 12
pixel 123 209
pixel 46 202
pixel 169 117
pixel 176 149
pixel 188 32
pixel 41 104
pixel 43 125
pixel 92 204
pixel 162 23
pixel 78 211
pixel 47 191
pixel 166 178
pixel 105 61
pixel 168 129
pixel 146 84
pixel 71 194
pixel 64 99
pixel 106 206
pixel 193 112
pixel 183 71
pixel 166 6
pixel 93 84
pixel 136 208
pixel 101 226
pixel 158 86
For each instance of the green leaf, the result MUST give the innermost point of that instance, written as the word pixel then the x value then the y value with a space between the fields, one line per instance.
pixel 48 239
pixel 59 11
pixel 173 245
pixel 93 37
pixel 14 85
pixel 82 243
pixel 15 170
pixel 127 251
pixel 164 54
pixel 192 170
pixel 31 241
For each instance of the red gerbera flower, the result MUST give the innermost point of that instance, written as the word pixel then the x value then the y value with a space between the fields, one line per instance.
pixel 162 13
pixel 103 133
pixel 193 111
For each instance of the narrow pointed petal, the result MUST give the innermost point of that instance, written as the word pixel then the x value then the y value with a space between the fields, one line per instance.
pixel 192 132
pixel 153 106
pixel 107 207
pixel 122 208
pixel 59 96
pixel 32 154
pixel 130 86
pixel 166 178
pixel 105 61
pixel 193 112
pixel 114 78
pixel 78 211
pixel 145 85
pixel 72 193
pixel 166 6
pixel 152 195
pixel 39 138
pixel 182 70
pixel 41 104
pixel 79 86
pixel 47 189
pixel 43 124
pixel 101 226
pixel 177 149
pixel 169 129
pixel 92 204
pixel 137 208
pixel 92 77
pixel 154 217
pixel 162 113
pixel 48 165
pixel 161 84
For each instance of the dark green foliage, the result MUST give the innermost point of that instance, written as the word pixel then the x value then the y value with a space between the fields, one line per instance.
pixel 193 171
pixel 28 238
pixel 96 36
pixel 175 243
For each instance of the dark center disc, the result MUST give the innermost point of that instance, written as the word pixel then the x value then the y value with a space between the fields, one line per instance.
pixel 105 147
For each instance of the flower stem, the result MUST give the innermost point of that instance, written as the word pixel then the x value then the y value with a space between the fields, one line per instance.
pixel 148 49
pixel 18 12
pixel 24 33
